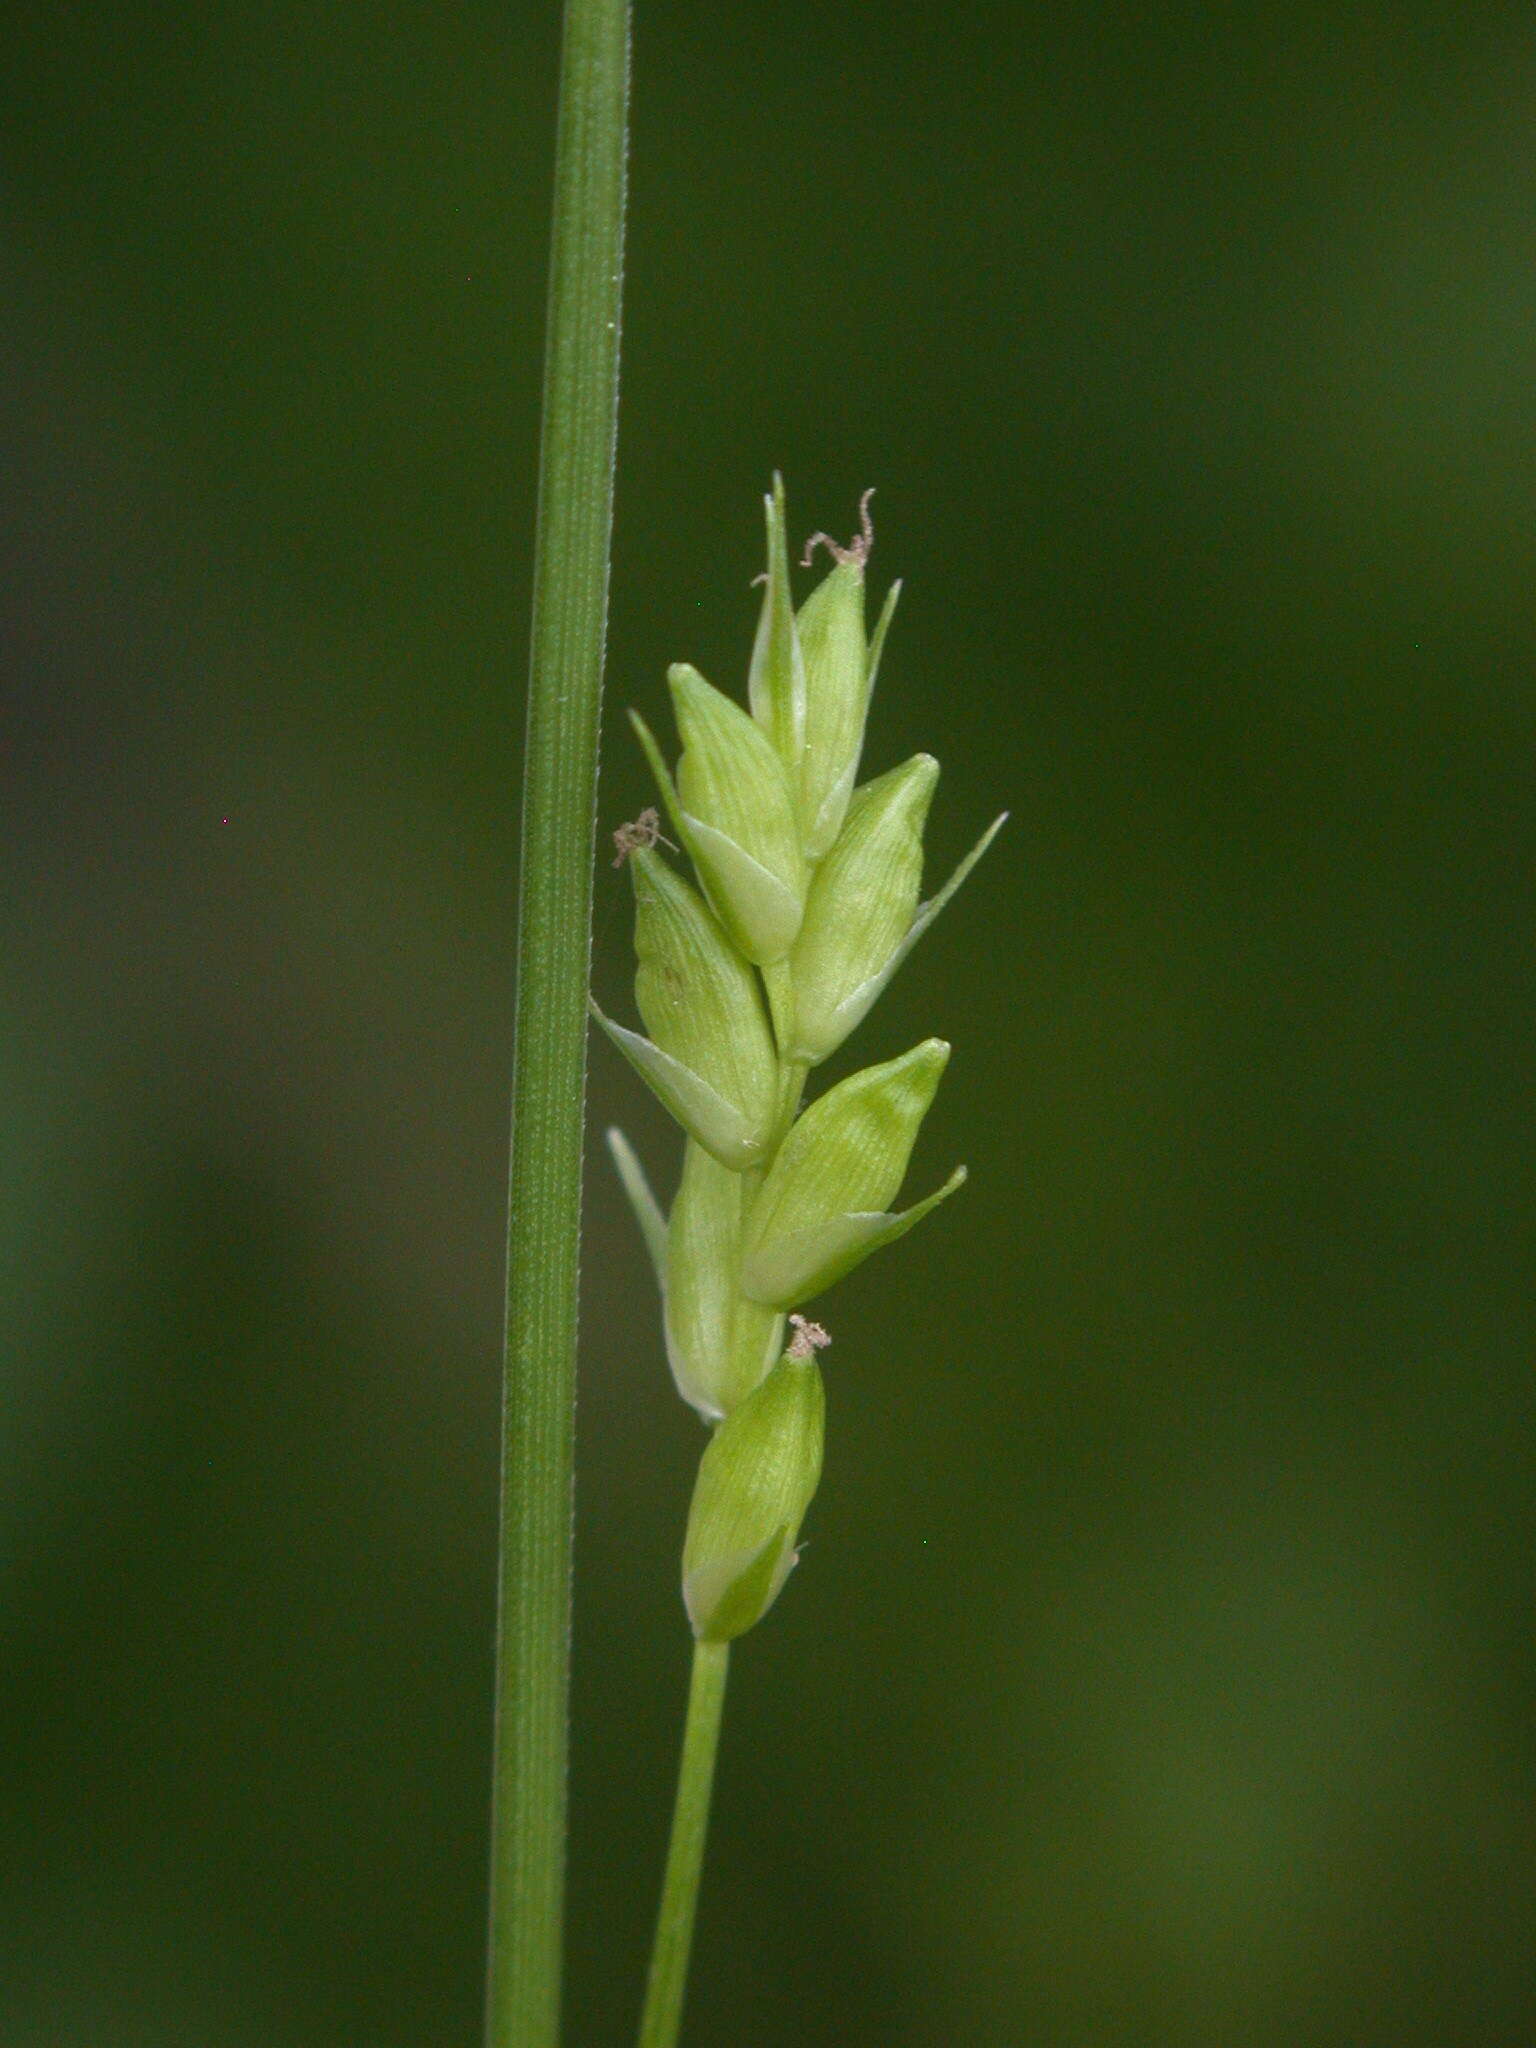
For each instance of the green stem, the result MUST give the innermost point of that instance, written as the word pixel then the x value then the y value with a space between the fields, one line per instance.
pixel 570 598
pixel 664 1992
pixel 792 1075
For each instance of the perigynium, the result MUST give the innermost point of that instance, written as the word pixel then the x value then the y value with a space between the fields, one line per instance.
pixel 807 902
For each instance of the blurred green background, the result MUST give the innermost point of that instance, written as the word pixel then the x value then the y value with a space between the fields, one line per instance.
pixel 1160 1672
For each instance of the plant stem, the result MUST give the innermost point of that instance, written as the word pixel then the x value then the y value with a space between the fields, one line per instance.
pixel 570 596
pixel 668 1982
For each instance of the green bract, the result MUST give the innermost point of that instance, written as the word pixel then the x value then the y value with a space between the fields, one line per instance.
pixel 755 1482
pixel 776 679
pixel 812 901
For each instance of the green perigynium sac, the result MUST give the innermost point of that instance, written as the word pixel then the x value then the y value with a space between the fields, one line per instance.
pixel 737 816
pixel 860 908
pixel 710 1056
pixel 823 1206
pixel 840 665
pixel 720 1342
pixel 809 904
pixel 755 1482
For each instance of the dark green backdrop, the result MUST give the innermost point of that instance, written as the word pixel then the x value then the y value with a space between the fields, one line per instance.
pixel 1160 1670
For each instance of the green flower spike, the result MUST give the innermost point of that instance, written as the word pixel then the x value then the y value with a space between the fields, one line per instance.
pixel 720 1345
pixel 756 1479
pixel 812 887
pixel 710 1057
pixel 840 668
pixel 823 1204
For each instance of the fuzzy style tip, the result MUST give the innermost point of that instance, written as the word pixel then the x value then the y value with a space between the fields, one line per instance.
pixel 856 554
pixel 809 1338
pixel 645 832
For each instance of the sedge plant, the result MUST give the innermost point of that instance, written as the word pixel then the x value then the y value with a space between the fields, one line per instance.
pixel 804 903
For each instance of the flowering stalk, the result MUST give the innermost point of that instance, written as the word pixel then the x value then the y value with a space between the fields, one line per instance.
pixel 549 1068
pixel 806 905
